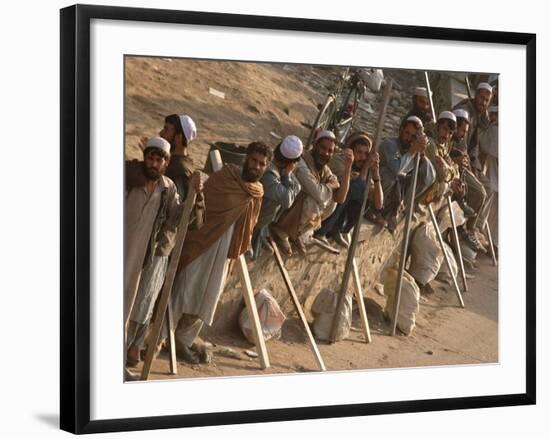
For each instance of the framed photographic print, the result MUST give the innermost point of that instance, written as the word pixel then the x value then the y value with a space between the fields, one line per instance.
pixel 283 218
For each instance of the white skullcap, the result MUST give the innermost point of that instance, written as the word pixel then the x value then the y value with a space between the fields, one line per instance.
pixel 447 115
pixel 160 143
pixel 325 134
pixel 420 91
pixel 485 86
pixel 462 113
pixel 416 120
pixel 189 128
pixel 493 109
pixel 291 147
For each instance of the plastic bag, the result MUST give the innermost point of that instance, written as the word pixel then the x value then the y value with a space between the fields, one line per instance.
pixel 444 218
pixel 323 310
pixel 270 315
pixel 443 274
pixel 409 303
pixel 372 78
pixel 426 254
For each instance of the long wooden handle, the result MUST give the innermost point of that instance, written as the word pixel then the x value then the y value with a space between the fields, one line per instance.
pixel 356 230
pixel 168 283
pixel 361 302
pixel 248 293
pixel 405 247
pixel 457 242
pixel 297 305
pixel 250 302
pixel 445 255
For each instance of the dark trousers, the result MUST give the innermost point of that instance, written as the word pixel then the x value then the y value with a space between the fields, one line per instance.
pixel 346 215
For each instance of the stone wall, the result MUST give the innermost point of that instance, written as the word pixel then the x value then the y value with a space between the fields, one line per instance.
pixel 309 274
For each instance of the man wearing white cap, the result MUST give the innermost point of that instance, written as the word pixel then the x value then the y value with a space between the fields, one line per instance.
pixel 488 145
pixel 397 165
pixel 421 105
pixel 233 197
pixel 448 175
pixel 476 193
pixel 179 131
pixel 151 217
pixel 319 195
pixel 280 188
pixel 479 121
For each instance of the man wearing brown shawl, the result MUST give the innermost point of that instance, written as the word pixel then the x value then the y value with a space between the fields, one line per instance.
pixel 320 193
pixel 233 198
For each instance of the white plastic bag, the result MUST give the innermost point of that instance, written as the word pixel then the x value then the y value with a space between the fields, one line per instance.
pixel 372 78
pixel 323 310
pixel 409 302
pixel 443 274
pixel 444 217
pixel 426 255
pixel 468 254
pixel 270 315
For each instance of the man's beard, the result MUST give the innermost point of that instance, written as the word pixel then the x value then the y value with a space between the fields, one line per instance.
pixel 358 165
pixel 250 177
pixel 319 161
pixel 151 173
pixel 404 144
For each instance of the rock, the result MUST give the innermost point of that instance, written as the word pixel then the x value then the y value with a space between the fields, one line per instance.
pixel 251 354
pixel 379 288
pixel 224 351
pixel 429 352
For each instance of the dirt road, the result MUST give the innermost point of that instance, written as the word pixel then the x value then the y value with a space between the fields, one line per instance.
pixel 444 334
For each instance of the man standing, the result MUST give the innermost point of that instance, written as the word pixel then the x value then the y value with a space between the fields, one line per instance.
pixel 488 145
pixel 280 188
pixel 397 166
pixel 233 197
pixel 479 121
pixel 475 192
pixel 318 197
pixel 151 219
pixel 346 214
pixel 421 106
pixel 178 131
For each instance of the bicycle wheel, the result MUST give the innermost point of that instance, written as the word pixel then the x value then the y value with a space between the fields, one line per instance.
pixel 347 115
pixel 323 118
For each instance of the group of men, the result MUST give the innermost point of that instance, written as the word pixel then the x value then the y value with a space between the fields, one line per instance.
pixel 290 193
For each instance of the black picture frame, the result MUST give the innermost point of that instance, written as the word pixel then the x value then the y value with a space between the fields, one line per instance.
pixel 75 217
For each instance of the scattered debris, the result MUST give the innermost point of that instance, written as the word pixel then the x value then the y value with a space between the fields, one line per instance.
pixel 251 354
pixel 217 93
pixel 224 351
pixel 379 288
pixel 275 135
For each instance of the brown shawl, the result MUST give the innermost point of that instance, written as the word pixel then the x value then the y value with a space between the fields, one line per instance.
pixel 228 199
pixel 292 218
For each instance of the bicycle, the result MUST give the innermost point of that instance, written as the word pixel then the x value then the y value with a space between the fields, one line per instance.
pixel 339 110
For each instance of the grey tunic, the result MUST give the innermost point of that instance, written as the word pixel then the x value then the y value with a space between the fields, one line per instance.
pixel 141 212
pixel 198 286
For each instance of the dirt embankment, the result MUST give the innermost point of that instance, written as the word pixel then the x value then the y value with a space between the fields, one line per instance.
pixel 444 335
pixel 260 101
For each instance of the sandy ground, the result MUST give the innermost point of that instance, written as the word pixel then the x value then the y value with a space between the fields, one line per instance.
pixel 261 101
pixel 445 334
